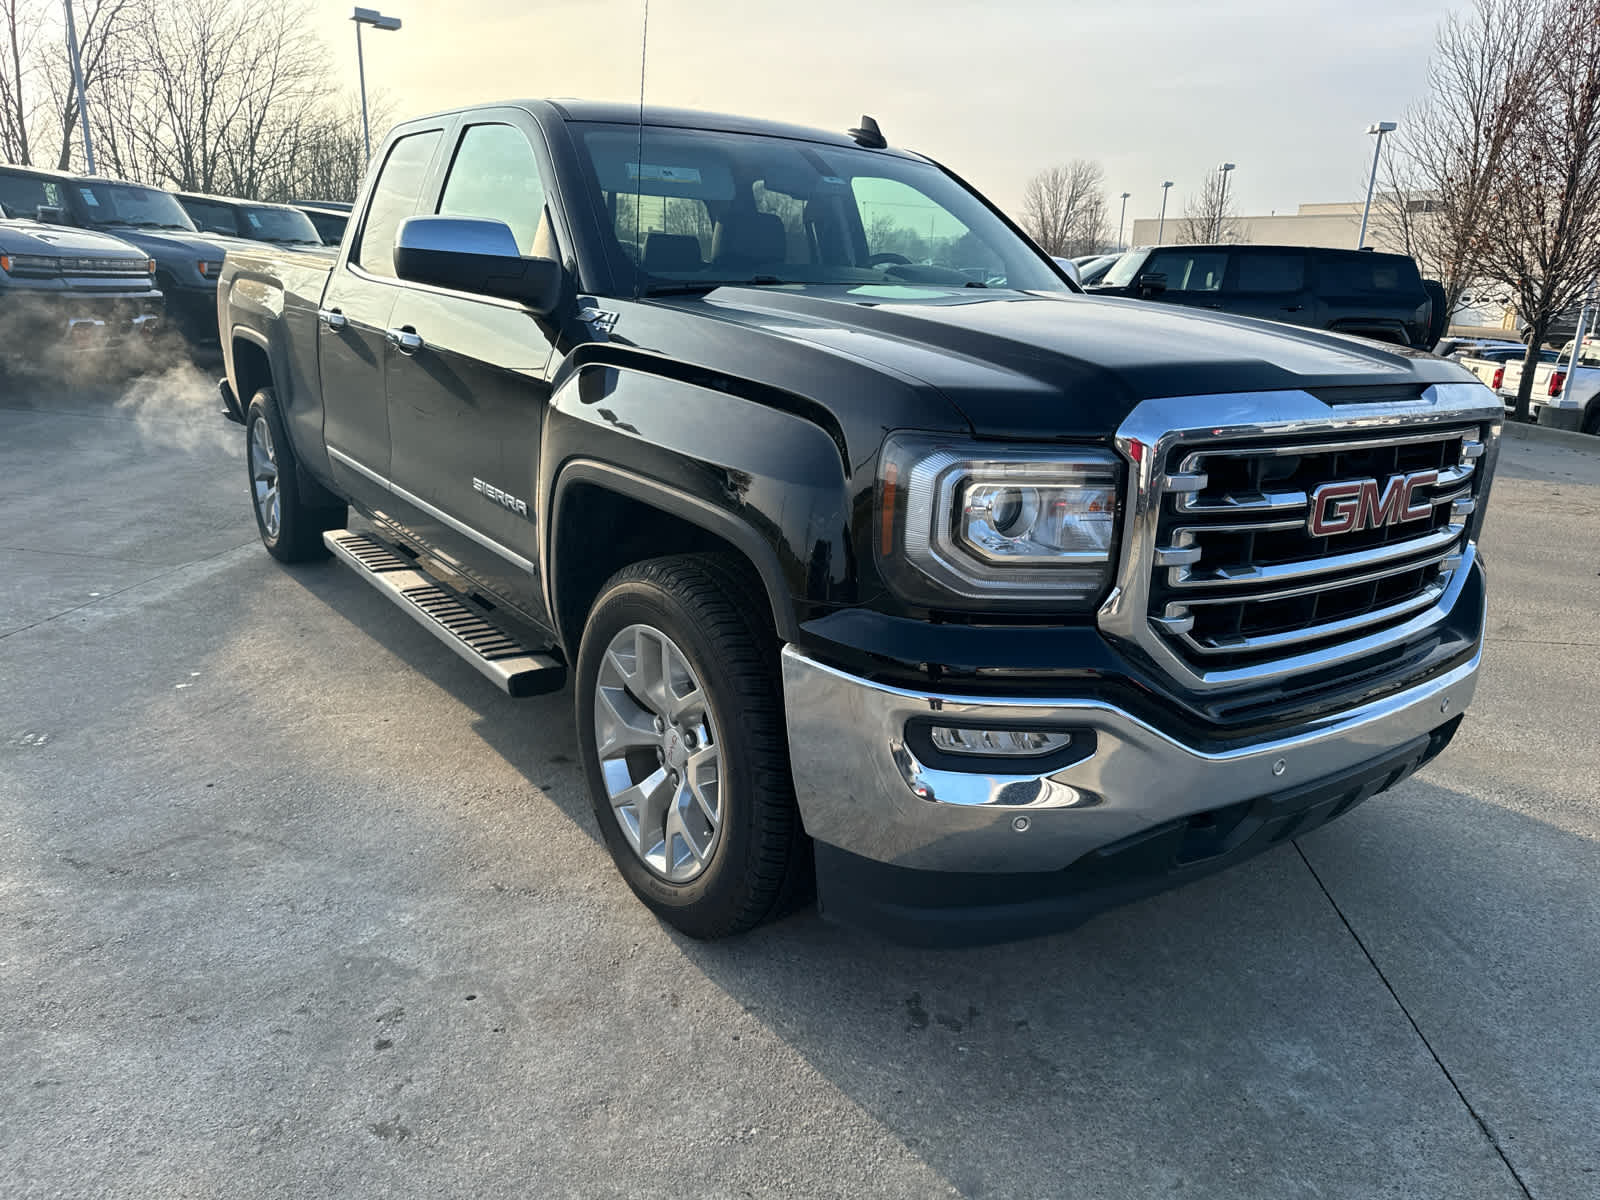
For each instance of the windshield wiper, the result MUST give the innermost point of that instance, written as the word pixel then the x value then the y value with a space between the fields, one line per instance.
pixel 689 287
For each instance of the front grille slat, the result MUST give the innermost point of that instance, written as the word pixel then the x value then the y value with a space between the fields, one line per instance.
pixel 1241 582
pixel 1232 575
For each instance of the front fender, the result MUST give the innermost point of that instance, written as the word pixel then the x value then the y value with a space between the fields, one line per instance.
pixel 770 482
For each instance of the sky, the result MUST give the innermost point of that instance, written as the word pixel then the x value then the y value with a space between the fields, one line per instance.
pixel 994 89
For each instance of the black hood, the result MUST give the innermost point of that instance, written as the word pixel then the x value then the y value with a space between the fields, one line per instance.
pixel 1065 365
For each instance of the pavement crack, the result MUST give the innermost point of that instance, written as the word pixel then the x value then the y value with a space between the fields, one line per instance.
pixel 133 562
pixel 104 596
pixel 1483 1125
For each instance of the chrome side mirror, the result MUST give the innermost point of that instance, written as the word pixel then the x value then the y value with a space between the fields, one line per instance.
pixel 476 255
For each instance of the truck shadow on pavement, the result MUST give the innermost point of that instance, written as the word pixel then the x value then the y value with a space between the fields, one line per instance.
pixel 1233 1030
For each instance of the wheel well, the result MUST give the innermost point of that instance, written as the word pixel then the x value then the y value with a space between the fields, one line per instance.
pixel 600 531
pixel 251 370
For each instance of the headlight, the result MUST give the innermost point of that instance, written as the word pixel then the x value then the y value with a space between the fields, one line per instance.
pixel 961 524
pixel 29 264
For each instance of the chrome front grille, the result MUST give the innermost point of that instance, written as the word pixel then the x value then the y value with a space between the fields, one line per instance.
pixel 105 266
pixel 1222 583
pixel 1241 579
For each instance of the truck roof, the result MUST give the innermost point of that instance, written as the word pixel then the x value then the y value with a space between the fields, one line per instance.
pixel 232 200
pixel 51 173
pixel 618 112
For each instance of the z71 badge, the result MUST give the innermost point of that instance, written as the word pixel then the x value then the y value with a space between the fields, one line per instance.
pixel 504 499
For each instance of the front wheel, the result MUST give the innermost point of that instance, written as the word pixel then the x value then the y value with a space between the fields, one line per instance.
pixel 290 529
pixel 680 723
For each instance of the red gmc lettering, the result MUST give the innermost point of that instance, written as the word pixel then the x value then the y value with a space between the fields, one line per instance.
pixel 1333 508
pixel 1360 504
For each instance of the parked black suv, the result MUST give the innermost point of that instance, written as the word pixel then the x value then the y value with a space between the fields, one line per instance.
pixel 1379 296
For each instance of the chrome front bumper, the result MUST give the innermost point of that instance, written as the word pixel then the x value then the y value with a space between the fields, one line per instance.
pixel 863 790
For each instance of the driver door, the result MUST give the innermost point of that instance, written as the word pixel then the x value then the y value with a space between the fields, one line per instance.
pixel 466 378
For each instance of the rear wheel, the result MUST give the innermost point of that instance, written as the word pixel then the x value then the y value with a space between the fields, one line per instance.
pixel 1591 418
pixel 290 529
pixel 680 722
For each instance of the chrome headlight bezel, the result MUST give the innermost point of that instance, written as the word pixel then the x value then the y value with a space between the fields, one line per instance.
pixel 935 542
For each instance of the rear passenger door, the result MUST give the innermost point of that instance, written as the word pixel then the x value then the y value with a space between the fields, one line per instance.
pixel 1269 282
pixel 467 406
pixel 354 321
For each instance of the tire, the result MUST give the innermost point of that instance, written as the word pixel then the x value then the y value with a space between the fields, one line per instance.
pixel 290 529
pixel 754 865
pixel 1591 418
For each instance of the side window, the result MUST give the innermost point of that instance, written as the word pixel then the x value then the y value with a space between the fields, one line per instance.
pixel 23 196
pixel 1189 270
pixel 394 198
pixel 211 218
pixel 1362 273
pixel 496 176
pixel 1270 271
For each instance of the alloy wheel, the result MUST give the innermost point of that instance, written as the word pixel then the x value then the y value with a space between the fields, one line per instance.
pixel 660 756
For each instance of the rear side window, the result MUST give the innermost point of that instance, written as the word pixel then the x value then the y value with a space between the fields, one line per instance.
pixel 1270 271
pixel 1363 274
pixel 1189 270
pixel 394 198
pixel 496 176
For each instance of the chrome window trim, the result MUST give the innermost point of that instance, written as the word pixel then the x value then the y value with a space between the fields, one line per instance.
pixel 1146 438
pixel 465 530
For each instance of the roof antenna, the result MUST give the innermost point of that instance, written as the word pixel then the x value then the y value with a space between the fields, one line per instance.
pixel 638 187
pixel 867 135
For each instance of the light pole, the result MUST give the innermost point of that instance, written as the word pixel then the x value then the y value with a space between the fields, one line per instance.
pixel 1122 219
pixel 1161 226
pixel 1222 200
pixel 77 82
pixel 368 16
pixel 1380 128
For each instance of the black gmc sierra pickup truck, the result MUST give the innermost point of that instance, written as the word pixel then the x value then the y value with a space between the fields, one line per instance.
pixel 880 556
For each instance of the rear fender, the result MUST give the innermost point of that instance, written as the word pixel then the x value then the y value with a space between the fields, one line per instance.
pixel 266 322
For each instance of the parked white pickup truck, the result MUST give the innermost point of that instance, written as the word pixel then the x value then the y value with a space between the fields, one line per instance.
pixel 1488 362
pixel 1572 395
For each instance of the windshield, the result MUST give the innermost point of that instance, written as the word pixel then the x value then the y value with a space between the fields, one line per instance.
pixel 129 204
pixel 709 207
pixel 280 225
pixel 1121 275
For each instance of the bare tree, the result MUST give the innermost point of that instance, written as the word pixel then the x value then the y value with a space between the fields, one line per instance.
pixel 221 94
pixel 1541 236
pixel 1064 208
pixel 1210 217
pixel 1447 160
pixel 20 22
pixel 102 27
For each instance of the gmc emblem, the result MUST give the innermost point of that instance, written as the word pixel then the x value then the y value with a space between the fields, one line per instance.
pixel 1357 504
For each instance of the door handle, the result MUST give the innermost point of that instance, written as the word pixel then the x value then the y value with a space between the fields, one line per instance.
pixel 1293 307
pixel 405 340
pixel 332 318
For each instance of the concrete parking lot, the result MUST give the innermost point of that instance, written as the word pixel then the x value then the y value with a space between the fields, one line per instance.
pixel 293 904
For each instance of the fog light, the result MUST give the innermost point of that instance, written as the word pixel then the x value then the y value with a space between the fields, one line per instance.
pixel 1013 743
